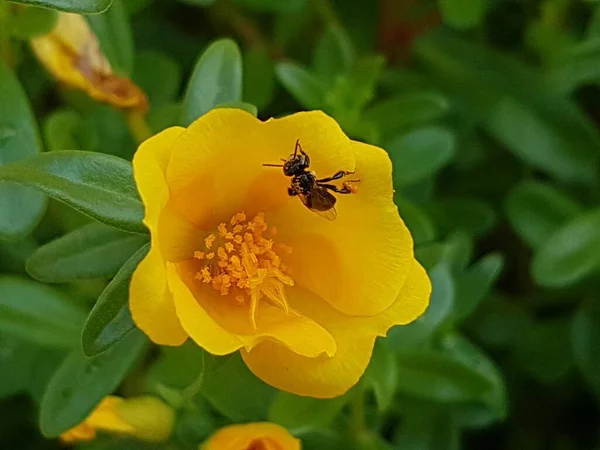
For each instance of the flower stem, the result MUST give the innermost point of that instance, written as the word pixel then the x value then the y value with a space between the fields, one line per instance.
pixel 357 415
pixel 138 126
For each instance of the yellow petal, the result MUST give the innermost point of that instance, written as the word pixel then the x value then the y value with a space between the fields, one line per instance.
pixel 104 417
pixel 151 419
pixel 218 168
pixel 150 301
pixel 358 262
pixel 299 333
pixel 72 54
pixel 197 322
pixel 325 377
pixel 263 435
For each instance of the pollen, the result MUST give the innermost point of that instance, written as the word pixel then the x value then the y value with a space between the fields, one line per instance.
pixel 242 261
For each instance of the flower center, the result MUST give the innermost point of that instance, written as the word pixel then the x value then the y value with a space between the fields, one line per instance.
pixel 243 260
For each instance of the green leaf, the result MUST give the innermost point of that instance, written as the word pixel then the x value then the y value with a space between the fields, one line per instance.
pixel 100 186
pixel 515 105
pixel 178 367
pixel 536 210
pixel 576 65
pixel 473 285
pixel 93 251
pixel 420 154
pixel 440 377
pixel 110 320
pixel 32 21
pixel 468 353
pixel 440 306
pixel 418 222
pixel 306 88
pixel 75 6
pixel 463 14
pixel 38 313
pixel 382 375
pixel 304 414
pixel 114 34
pixel 569 254
pixel 334 54
pixel 585 338
pixel 546 363
pixel 428 429
pixel 65 129
pixel 239 105
pixel 158 75
pixel 406 110
pixel 80 384
pixel 259 77
pixel 21 207
pixel 21 358
pixel 466 214
pixel 235 392
pixel 217 78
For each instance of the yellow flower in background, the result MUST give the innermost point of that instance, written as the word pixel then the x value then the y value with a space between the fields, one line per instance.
pixel 236 263
pixel 146 418
pixel 72 54
pixel 252 436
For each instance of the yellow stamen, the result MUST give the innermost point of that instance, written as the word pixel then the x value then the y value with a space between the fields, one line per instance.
pixel 249 268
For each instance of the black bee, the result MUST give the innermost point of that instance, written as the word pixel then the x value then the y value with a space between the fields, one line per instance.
pixel 313 192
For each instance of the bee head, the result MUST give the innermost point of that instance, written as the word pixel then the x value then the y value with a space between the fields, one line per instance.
pixel 296 164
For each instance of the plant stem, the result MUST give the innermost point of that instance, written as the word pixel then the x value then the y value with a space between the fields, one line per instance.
pixel 138 126
pixel 357 415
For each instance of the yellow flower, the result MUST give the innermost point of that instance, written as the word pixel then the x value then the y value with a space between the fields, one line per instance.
pixel 146 418
pixel 252 436
pixel 72 54
pixel 237 264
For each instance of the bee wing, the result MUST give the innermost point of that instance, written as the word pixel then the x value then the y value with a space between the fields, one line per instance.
pixel 330 214
pixel 320 202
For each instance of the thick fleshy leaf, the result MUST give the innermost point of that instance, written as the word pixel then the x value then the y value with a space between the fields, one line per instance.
pixel 21 357
pixel 100 186
pixel 302 414
pixel 516 106
pixel 33 21
pixel 537 209
pixel 571 253
pixel 259 77
pixel 75 6
pixel 217 78
pixel 382 375
pixel 93 251
pixel 306 88
pixel 114 34
pixel 585 337
pixel 110 321
pixel 20 207
pixel 474 284
pixel 335 53
pixel 440 307
pixel 463 14
pixel 65 129
pixel 38 313
pixel 235 392
pixel 80 384
pixel 420 154
pixel 158 75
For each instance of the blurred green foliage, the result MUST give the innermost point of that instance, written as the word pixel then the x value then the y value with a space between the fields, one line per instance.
pixel 490 112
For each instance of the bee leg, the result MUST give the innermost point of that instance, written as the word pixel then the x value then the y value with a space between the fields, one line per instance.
pixel 292 192
pixel 336 176
pixel 345 189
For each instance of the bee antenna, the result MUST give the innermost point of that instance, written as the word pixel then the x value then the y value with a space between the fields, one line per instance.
pixel 273 165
